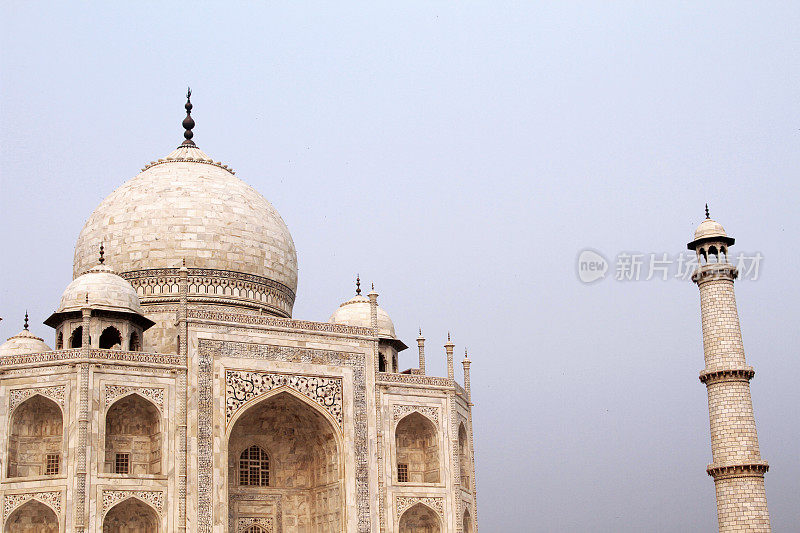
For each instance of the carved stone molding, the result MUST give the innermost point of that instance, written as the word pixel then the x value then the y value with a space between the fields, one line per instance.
pixel 431 413
pixel 404 503
pixel 277 522
pixel 265 522
pixel 154 498
pixel 55 393
pixel 51 499
pixel 154 394
pixel 242 386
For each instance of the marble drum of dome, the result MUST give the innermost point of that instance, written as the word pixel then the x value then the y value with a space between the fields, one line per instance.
pixel 188 209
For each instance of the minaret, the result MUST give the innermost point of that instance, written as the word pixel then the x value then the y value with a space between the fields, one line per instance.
pixel 737 467
pixel 421 345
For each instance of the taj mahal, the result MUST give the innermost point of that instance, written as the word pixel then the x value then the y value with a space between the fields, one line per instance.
pixel 181 394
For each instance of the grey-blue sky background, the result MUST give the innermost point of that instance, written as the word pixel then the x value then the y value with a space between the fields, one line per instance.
pixel 460 156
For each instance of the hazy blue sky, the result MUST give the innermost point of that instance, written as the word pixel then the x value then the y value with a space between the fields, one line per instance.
pixel 461 156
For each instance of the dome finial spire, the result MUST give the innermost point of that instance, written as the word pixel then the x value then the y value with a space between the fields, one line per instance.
pixel 707 215
pixel 188 122
pixel 26 320
pixel 358 285
pixel 102 253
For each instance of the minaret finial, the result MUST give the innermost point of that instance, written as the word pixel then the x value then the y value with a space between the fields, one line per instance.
pixel 188 122
pixel 358 285
pixel 448 336
pixel 102 253
pixel 707 215
pixel 26 320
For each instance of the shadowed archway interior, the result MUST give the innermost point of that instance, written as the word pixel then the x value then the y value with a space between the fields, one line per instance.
pixel 299 447
pixel 32 517
pixel 35 438
pixel 420 519
pixel 131 516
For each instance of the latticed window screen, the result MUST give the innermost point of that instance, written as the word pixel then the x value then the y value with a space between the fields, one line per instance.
pixel 402 472
pixel 255 529
pixel 254 467
pixel 122 463
pixel 52 463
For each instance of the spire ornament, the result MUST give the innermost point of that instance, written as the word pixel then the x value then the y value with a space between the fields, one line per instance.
pixel 707 215
pixel 358 285
pixel 26 320
pixel 188 122
pixel 102 253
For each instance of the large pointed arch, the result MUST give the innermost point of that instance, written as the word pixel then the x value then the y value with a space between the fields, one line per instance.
pixel 306 461
pixel 419 518
pixel 131 514
pixel 33 515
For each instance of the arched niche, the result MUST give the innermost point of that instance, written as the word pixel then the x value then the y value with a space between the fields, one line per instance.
pixel 463 457
pixel 133 437
pixel 417 450
pixel 35 439
pixel 32 516
pixel 76 337
pixel 304 460
pixel 110 339
pixel 467 521
pixel 420 519
pixel 131 516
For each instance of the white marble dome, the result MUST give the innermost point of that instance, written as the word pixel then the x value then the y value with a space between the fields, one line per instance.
pixel 356 312
pixel 105 290
pixel 186 207
pixel 709 228
pixel 22 343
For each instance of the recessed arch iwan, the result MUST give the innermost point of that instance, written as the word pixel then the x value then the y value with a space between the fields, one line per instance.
pixel 306 448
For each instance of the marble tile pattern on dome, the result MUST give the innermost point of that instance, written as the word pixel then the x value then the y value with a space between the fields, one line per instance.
pixel 181 395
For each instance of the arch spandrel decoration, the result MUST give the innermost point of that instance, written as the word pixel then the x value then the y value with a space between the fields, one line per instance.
pixel 114 392
pixel 400 411
pixel 153 498
pixel 242 386
pixel 404 503
pixel 55 393
pixel 264 522
pixel 11 502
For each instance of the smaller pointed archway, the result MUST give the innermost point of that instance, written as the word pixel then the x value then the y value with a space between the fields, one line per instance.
pixel 417 450
pixel 133 437
pixel 131 516
pixel 420 519
pixel 35 440
pixel 32 516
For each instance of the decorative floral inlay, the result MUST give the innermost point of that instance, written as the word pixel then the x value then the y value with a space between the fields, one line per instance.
pixel 55 393
pixel 403 503
pixel 399 411
pixel 153 497
pixel 242 386
pixel 262 521
pixel 154 394
pixel 50 498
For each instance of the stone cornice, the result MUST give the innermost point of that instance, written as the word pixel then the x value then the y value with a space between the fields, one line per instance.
pixel 715 272
pixel 752 469
pixel 710 377
pixel 277 322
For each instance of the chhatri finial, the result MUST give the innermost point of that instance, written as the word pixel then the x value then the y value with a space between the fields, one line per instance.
pixel 707 215
pixel 358 285
pixel 373 285
pixel 420 331
pixel 188 122
pixel 448 336
pixel 102 253
pixel 26 320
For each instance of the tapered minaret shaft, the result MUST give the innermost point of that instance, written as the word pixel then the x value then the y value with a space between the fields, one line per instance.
pixel 737 467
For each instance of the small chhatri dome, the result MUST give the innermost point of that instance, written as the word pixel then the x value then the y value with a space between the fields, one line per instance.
pixel 356 312
pixel 105 290
pixel 709 230
pixel 23 342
